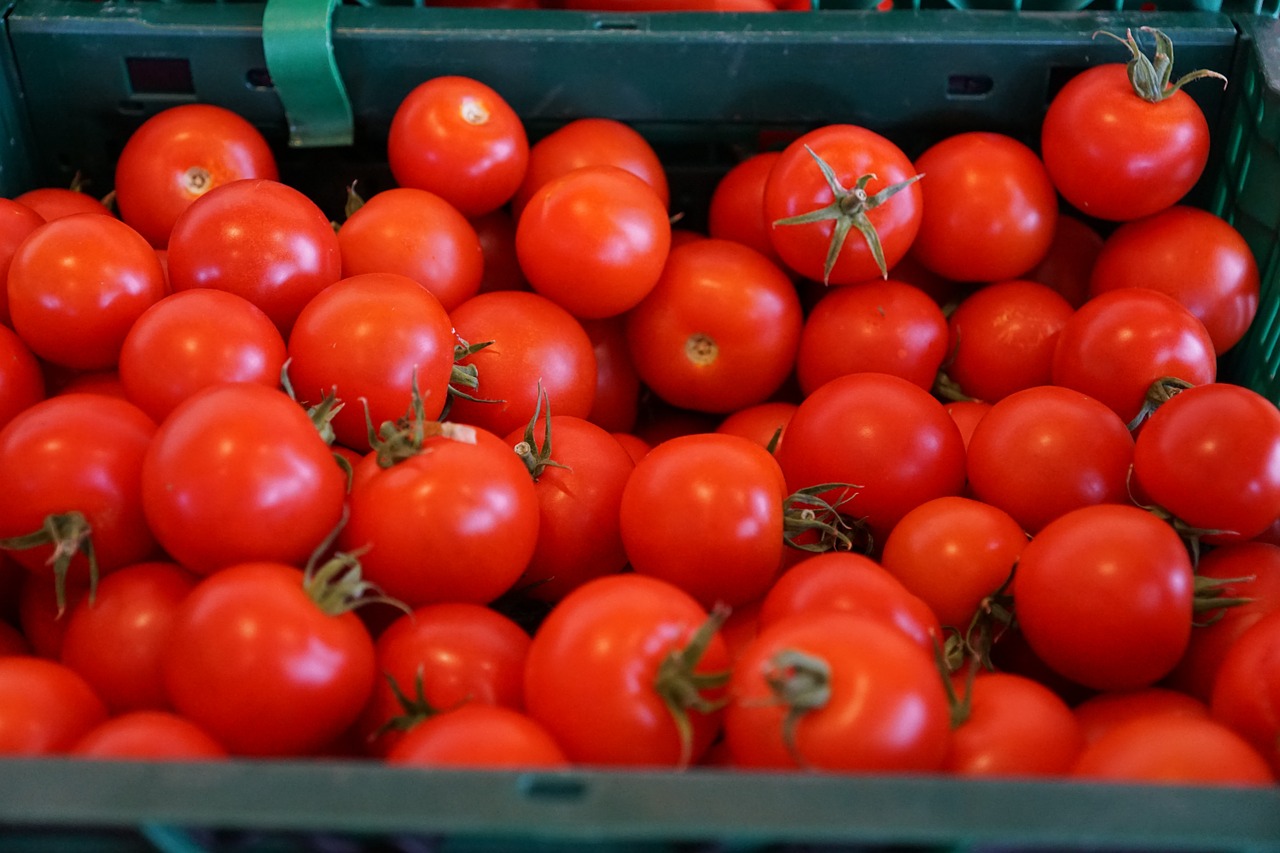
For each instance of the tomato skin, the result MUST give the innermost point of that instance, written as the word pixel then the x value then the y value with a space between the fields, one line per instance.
pixel 496 232
pixel 1173 749
pixel 77 284
pixel 600 648
pixel 42 623
pixel 967 414
pixel 1014 726
pixel 458 138
pixel 1246 695
pixel 259 239
pixel 1192 255
pixel 1043 451
pixel 1067 265
pixel 1102 712
pixel 989 208
pixel 478 735
pixel 148 736
pixel 177 155
pixel 57 202
pixel 736 209
pixel 796 186
pixel 765 423
pixel 368 338
pixel 418 234
pixel 617 400
pixel 12 642
pixel 1115 156
pixel 45 707
pixel 887 710
pixel 21 379
pixel 16 222
pixel 248 456
pixel 720 329
pixel 1128 618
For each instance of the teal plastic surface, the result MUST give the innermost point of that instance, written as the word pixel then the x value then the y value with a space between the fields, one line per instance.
pixel 297 44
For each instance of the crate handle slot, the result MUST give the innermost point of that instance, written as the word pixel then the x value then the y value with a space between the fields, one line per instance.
pixel 297 40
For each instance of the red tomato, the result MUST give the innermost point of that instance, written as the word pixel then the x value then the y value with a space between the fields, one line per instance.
pixel 1002 338
pixel 57 202
pixel 629 648
pixel 256 659
pixel 368 338
pixel 76 285
pixel 594 240
pixel 764 423
pixel 1044 451
pixel 496 231
pixel 1118 343
pixel 719 331
pixel 188 341
pixel 877 186
pixel 736 208
pixel 989 208
pixel 179 154
pixel 880 326
pixel 834 691
pixel 635 446
pixel 41 615
pixel 21 379
pixel 248 456
pixel 1104 711
pixel 1246 690
pixel 1210 455
pixel 535 343
pixel 12 642
pixel 966 414
pixel 1173 749
pixel 16 222
pixel 259 239
pixel 417 234
pixel 1127 620
pixel 1120 149
pixel 617 401
pixel 1009 725
pixel 45 707
pixel 479 736
pixel 458 138
pixel 148 736
pixel 705 513
pixel 1067 265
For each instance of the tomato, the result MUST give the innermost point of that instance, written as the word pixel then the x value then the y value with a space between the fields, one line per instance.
pixel 1173 749
pixel 440 657
pixel 12 642
pixel 190 340
pixel 888 439
pixel 1210 455
pixel 45 707
pixel 179 154
pixel 1104 711
pixel 615 673
pixel 580 472
pixel 1044 451
pixel 954 552
pixel 1246 690
pixel 990 209
pixel 1002 338
pixel 705 513
pixel 594 240
pixel 719 331
pixel 77 284
pixel 455 519
pixel 266 662
pixel 1120 342
pixel 148 736
pixel 765 423
pixel 1121 142
pixel 834 691
pixel 1009 725
pixel 1067 265
pixel 16 222
pixel 635 446
pixel 417 234
pixel 476 735
pixel 967 414
pixel 458 138
pixel 875 184
pixel 880 326
pixel 496 231
pixel 368 338
pixel 57 202
pixel 248 457
pixel 259 239
pixel 41 614
pixel 617 400
pixel 21 379
pixel 1127 619
pixel 591 141
pixel 534 342
pixel 736 208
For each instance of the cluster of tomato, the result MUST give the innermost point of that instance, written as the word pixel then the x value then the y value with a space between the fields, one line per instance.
pixel 504 469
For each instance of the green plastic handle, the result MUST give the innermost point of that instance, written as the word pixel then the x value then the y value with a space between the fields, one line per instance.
pixel 297 39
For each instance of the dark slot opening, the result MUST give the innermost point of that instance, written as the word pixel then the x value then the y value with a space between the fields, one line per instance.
pixel 159 76
pixel 969 85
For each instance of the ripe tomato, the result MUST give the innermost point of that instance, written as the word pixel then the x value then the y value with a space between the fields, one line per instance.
pixel 21 378
pixel 1121 142
pixel 720 329
pixel 705 513
pixel 12 642
pixel 179 154
pixel 249 457
pixel 479 736
pixel 736 209
pixel 617 401
pixel 594 240
pixel 77 284
pixel 873 185
pixel 1043 451
pixel 1067 265
pixel 417 234
pixel 1102 712
pixel 1127 620
pixel 190 340
pixel 834 691
pixel 45 707
pixel 496 232
pixel 990 209
pixel 1011 725
pixel 16 222
pixel 57 202
pixel 41 615
pixel 148 736
pixel 1173 749
pixel 966 414
pixel 1246 690
pixel 764 423
pixel 368 338
pixel 635 650
pixel 458 138
pixel 259 239
pixel 256 659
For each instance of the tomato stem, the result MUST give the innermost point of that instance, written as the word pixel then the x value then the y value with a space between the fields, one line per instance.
pixel 681 687
pixel 537 457
pixel 69 533
pixel 1152 79
pixel 801 682
pixel 805 511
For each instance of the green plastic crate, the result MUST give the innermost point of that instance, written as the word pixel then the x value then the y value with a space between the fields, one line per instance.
pixel 78 76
